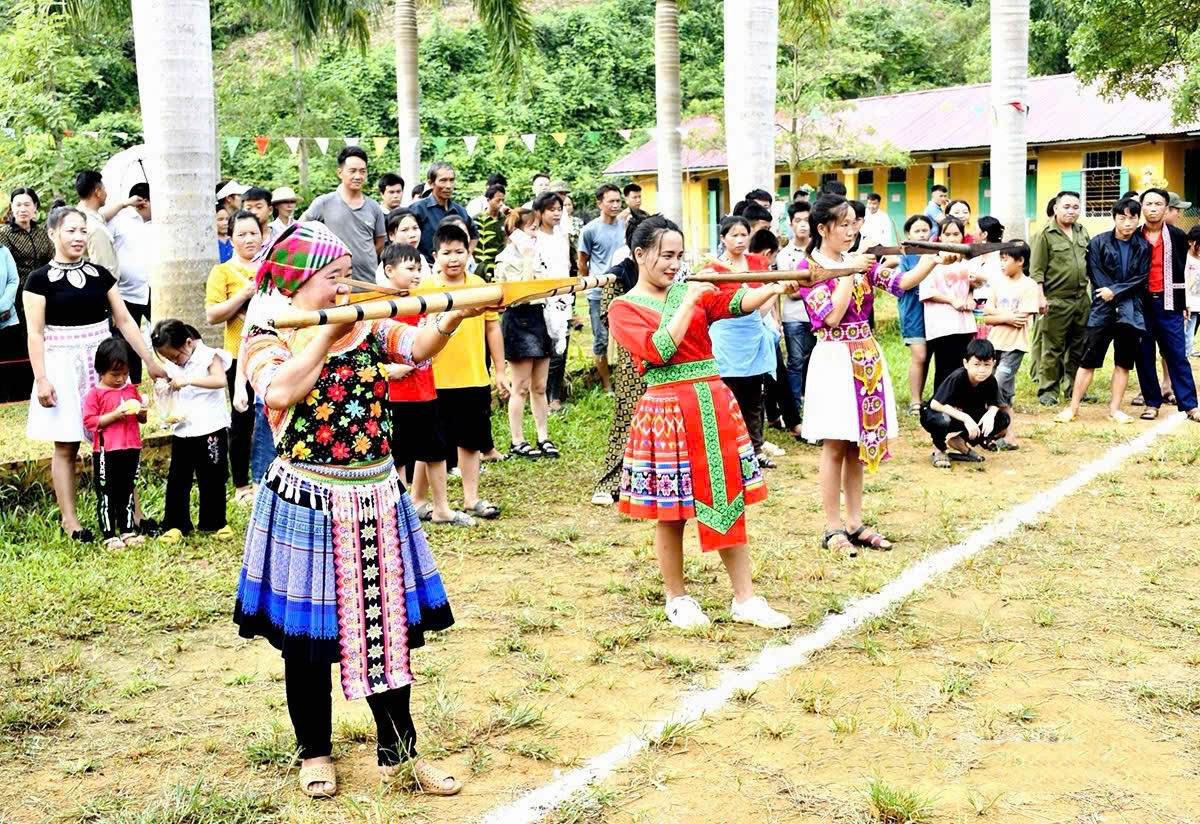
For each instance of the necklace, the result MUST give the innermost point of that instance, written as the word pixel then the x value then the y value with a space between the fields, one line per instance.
pixel 76 273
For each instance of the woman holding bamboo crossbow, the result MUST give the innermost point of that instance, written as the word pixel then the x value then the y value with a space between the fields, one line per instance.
pixel 336 567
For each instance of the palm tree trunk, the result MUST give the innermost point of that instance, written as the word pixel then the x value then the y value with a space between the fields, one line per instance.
pixel 1010 72
pixel 666 100
pixel 175 83
pixel 298 79
pixel 408 91
pixel 751 49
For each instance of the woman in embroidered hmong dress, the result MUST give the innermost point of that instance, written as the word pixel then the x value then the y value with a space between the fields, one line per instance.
pixel 853 411
pixel 688 453
pixel 336 567
pixel 68 305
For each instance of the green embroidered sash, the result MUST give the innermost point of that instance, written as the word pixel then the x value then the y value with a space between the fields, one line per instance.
pixel 680 372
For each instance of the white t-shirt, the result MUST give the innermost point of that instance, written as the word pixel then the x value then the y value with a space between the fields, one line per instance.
pixel 204 411
pixel 788 260
pixel 134 241
pixel 876 230
pixel 1191 277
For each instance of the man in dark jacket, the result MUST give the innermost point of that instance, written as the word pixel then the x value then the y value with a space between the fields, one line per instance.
pixel 1118 264
pixel 1164 307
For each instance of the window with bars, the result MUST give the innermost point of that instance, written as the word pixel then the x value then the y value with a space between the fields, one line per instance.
pixel 1101 180
pixel 866 177
pixel 897 174
pixel 985 168
pixel 827 177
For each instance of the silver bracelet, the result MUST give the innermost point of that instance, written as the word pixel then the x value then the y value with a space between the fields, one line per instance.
pixel 437 324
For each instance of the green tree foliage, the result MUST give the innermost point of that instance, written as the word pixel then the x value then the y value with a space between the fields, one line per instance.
pixel 1150 48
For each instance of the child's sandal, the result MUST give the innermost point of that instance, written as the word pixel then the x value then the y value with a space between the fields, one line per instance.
pixel 171 536
pixel 548 449
pixel 864 536
pixel 133 539
pixel 114 544
pixel 838 540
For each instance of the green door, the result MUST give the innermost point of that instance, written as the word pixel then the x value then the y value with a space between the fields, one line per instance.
pixel 896 204
pixel 985 196
pixel 714 211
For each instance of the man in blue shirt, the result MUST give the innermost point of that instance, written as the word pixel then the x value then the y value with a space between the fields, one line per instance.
pixel 439 204
pixel 1118 266
pixel 939 196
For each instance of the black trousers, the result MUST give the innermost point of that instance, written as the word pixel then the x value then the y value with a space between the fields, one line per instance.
pixel 114 473
pixel 556 374
pixel 749 394
pixel 241 432
pixel 206 458
pixel 139 312
pixel 310 705
pixel 947 353
pixel 940 426
pixel 780 402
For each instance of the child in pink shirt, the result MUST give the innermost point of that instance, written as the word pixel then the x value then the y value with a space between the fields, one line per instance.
pixel 112 411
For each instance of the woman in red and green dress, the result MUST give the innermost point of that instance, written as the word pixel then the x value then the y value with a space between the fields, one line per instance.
pixel 688 454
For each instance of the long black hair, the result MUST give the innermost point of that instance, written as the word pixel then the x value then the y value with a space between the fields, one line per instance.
pixel 828 209
pixel 172 332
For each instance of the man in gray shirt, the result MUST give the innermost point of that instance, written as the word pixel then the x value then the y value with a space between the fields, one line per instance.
pixel 355 218
pixel 598 242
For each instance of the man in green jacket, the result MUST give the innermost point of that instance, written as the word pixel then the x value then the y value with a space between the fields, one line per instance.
pixel 1058 266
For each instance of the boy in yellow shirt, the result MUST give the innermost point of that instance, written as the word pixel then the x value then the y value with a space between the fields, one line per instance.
pixel 464 388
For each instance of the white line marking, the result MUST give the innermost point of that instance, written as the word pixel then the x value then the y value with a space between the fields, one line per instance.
pixel 770 662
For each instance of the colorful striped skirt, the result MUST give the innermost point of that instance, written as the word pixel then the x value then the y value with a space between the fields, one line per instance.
pixel 337 568
pixel 689 456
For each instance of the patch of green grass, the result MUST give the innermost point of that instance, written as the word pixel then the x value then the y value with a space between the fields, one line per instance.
pixel 269 745
pixel 812 697
pixel 45 699
pixel 677 664
pixel 956 683
pixel 591 804
pixel 890 804
pixel 673 736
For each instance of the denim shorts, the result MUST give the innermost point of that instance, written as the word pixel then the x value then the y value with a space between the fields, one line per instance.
pixel 912 317
pixel 599 330
pixel 1008 364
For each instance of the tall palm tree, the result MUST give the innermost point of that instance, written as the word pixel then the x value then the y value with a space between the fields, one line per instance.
pixel 667 106
pixel 173 43
pixel 508 28
pixel 1010 73
pixel 751 55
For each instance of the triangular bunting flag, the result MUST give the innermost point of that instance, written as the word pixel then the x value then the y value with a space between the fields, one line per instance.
pixel 67 133
pixel 683 132
pixel 653 132
pixel 261 142
pixel 92 134
pixel 122 135
pixel 231 144
pixel 559 137
pixel 440 143
pixel 293 144
pixel 350 141
pixel 501 141
pixel 625 133
pixel 593 137
pixel 471 141
pixel 380 145
pixel 529 140
pixel 322 144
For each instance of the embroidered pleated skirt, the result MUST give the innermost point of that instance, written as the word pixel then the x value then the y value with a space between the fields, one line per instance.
pixel 70 355
pixel 689 456
pixel 337 568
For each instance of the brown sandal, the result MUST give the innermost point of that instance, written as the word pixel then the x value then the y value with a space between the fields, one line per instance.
pixel 1150 414
pixel 318 774
pixel 432 781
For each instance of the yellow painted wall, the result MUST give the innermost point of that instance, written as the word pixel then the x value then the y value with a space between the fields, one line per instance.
pixel 1147 162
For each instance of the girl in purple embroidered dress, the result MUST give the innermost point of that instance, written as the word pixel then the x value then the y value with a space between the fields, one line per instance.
pixel 856 413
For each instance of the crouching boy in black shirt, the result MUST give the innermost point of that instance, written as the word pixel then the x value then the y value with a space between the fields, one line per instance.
pixel 965 409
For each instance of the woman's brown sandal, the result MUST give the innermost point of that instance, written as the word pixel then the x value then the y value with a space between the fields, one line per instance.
pixel 313 774
pixel 432 781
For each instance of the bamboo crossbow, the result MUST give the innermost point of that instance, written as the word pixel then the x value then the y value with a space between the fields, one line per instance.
pixel 385 302
pixel 715 272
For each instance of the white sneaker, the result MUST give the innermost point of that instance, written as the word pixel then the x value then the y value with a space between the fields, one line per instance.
pixel 772 450
pixel 756 611
pixel 602 499
pixel 685 613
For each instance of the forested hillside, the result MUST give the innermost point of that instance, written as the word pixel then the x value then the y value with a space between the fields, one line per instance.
pixel 68 91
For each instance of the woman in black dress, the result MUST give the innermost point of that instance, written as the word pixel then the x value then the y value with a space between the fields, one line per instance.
pixel 68 304
pixel 30 246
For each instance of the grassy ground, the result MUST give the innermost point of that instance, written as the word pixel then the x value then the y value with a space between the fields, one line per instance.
pixel 1051 679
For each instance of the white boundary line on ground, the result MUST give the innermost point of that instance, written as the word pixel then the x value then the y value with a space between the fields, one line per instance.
pixel 535 804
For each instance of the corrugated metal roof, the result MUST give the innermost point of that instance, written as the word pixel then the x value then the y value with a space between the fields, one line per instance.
pixel 956 118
